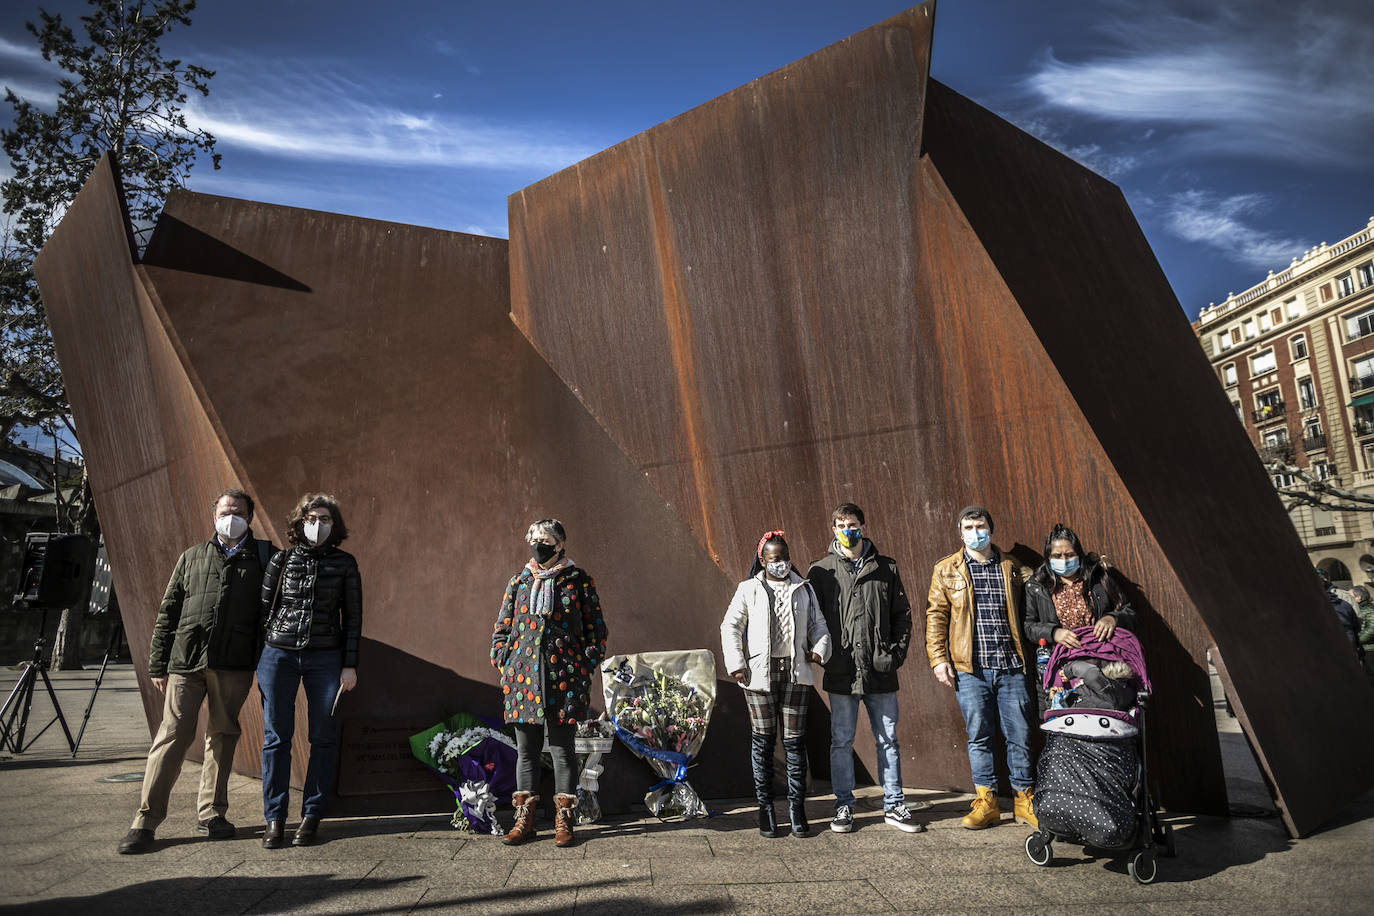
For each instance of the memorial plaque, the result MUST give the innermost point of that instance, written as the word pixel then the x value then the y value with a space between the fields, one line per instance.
pixel 375 758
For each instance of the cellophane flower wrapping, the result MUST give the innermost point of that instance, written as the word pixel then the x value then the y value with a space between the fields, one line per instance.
pixel 661 705
pixel 594 738
pixel 476 760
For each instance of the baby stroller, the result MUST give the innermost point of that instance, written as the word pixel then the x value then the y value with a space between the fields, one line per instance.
pixel 1092 785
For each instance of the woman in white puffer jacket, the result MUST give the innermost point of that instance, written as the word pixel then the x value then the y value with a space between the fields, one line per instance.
pixel 772 632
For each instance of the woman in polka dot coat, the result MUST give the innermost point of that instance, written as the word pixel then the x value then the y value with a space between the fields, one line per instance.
pixel 548 639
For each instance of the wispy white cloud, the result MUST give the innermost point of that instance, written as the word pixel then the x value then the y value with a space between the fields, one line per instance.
pixel 313 114
pixel 1283 81
pixel 18 51
pixel 43 95
pixel 1092 155
pixel 1227 224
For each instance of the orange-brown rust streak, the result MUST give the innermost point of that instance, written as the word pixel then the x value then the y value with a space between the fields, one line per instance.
pixel 682 345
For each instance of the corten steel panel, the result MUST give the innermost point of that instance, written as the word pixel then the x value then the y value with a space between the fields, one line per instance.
pixel 378 362
pixel 806 315
pixel 1228 565
pixel 153 459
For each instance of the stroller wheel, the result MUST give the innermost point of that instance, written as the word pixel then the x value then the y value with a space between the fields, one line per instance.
pixel 1038 849
pixel 1143 867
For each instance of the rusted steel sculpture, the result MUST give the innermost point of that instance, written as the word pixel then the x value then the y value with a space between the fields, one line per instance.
pixel 841 282
pixel 848 278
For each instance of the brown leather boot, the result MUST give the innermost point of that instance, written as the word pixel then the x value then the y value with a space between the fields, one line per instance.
pixel 565 811
pixel 523 830
pixel 1023 807
pixel 985 812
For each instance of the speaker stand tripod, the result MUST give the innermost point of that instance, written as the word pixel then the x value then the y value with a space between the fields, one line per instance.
pixel 14 715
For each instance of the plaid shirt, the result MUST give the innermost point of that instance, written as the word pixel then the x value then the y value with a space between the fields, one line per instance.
pixel 993 648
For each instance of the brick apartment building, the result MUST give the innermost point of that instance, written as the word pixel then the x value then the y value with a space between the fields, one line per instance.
pixel 1295 354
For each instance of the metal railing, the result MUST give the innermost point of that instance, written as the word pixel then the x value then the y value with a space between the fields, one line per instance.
pixel 1312 443
pixel 1268 412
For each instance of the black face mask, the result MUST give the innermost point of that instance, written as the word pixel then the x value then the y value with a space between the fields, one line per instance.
pixel 543 553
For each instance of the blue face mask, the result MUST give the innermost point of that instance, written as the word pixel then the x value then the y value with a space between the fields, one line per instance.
pixel 1066 567
pixel 849 537
pixel 977 539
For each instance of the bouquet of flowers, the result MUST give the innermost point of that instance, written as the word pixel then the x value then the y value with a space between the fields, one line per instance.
pixel 476 762
pixel 661 705
pixel 594 738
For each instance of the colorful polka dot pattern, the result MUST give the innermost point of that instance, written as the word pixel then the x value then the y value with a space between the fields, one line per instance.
pixel 547 663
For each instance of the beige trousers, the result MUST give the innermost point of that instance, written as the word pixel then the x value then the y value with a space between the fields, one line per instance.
pixel 223 692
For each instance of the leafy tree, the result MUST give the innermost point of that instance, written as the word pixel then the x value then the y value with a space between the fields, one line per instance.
pixel 118 92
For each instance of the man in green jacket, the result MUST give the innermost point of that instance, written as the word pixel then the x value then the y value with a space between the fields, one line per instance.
pixel 204 649
pixel 869 618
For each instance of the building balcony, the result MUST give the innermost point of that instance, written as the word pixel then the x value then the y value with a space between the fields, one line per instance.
pixel 1364 427
pixel 1280 452
pixel 1269 412
pixel 1360 383
pixel 1313 443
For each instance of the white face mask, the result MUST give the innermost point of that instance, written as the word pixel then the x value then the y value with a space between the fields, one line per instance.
pixel 316 532
pixel 231 527
pixel 778 569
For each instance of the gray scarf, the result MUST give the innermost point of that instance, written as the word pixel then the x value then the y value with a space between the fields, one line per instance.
pixel 541 591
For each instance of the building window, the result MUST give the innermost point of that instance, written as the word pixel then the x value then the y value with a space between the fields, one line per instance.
pixel 1323 470
pixel 1323 524
pixel 1224 341
pixel 1292 308
pixel 1264 325
pixel 1366 274
pixel 1276 437
pixel 1359 324
pixel 1312 438
pixel 1297 347
pixel 1276 316
pixel 1364 420
pixel 1261 363
pixel 1345 285
pixel 1307 397
pixel 1228 374
pixel 1235 335
pixel 1239 415
pixel 1326 292
pixel 1283 480
pixel 1362 374
pixel 1270 399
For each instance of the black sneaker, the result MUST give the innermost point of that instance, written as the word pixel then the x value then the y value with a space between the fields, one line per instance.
pixel 136 841
pixel 900 816
pixel 216 828
pixel 844 820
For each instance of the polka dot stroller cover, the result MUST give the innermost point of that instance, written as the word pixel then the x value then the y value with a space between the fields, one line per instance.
pixel 1087 787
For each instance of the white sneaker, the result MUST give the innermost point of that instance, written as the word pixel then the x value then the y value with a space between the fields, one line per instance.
pixel 900 816
pixel 844 820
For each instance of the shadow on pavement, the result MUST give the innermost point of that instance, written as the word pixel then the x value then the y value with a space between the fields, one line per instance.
pixel 181 895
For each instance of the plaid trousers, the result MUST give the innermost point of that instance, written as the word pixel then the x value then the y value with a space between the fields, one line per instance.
pixel 785 699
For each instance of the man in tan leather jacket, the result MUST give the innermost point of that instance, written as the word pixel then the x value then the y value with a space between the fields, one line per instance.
pixel 973 640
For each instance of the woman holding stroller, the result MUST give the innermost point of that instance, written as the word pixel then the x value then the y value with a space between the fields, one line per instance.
pixel 772 629
pixel 1072 589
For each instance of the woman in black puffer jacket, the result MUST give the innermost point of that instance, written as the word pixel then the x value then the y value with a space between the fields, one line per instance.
pixel 312 600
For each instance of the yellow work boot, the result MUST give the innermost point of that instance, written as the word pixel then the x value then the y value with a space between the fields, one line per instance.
pixel 985 812
pixel 1023 808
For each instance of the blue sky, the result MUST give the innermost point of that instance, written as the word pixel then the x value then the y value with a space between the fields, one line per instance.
pixel 1241 132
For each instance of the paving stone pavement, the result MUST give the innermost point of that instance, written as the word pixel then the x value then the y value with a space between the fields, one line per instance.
pixel 59 823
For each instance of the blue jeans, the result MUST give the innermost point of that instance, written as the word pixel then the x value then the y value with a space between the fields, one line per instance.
pixel 844 718
pixel 985 697
pixel 280 674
